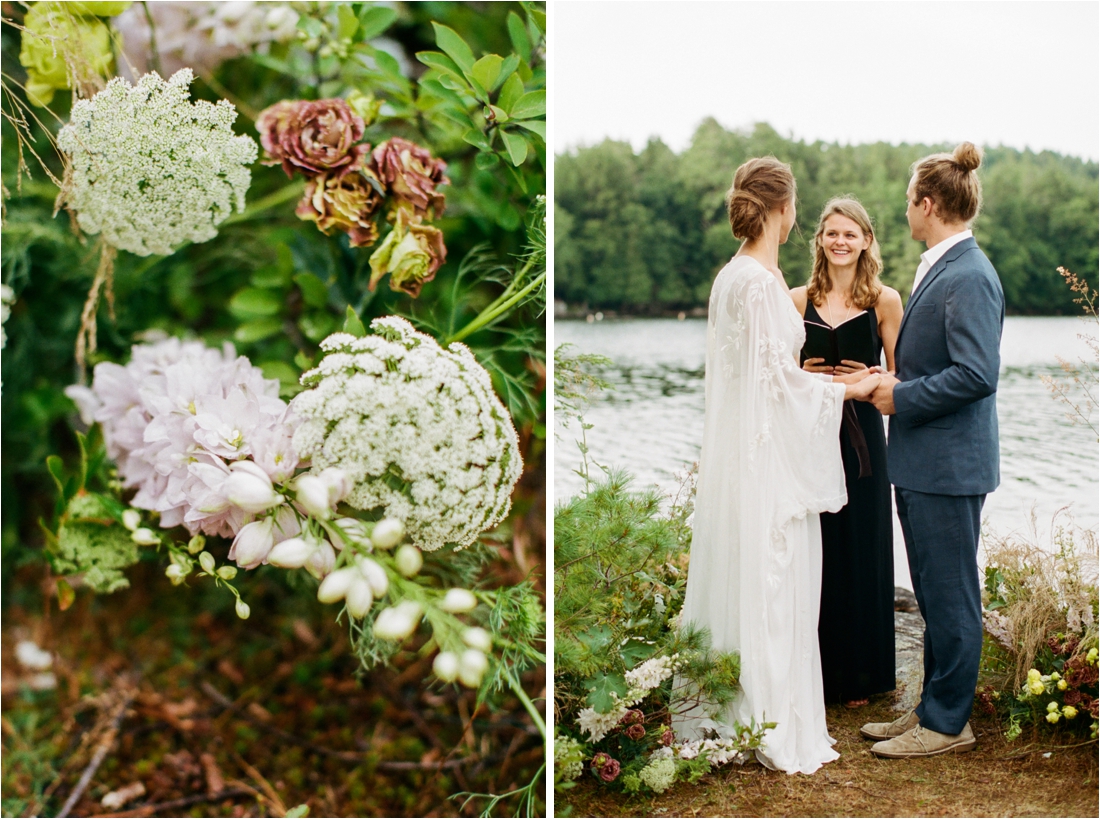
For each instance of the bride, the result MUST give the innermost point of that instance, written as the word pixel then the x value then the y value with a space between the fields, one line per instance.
pixel 770 464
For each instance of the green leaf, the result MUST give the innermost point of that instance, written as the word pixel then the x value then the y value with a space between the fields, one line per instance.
pixel 441 62
pixel 487 70
pixel 602 687
pixel 315 326
pixel 298 812
pixel 499 113
pixel 279 370
pixel 311 26
pixel 530 105
pixel 511 63
pixel 635 651
pixel 457 115
pixel 517 147
pixel 510 92
pixel 314 292
pixel 252 302
pixel 374 20
pixel 537 126
pixel 346 21
pixel 353 325
pixel 303 361
pixel 475 137
pixel 258 329
pixel 453 46
pixel 386 63
pixel 56 468
pixel 486 160
pixel 81 442
pixel 597 638
pixel 65 594
pixel 538 19
pixel 517 32
pixel 437 88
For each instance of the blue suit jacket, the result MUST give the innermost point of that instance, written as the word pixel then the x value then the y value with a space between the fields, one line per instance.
pixel 943 437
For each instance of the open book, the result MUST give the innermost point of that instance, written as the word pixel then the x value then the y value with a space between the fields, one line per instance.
pixel 849 341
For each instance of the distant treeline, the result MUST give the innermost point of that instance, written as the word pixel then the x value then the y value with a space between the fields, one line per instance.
pixel 647 232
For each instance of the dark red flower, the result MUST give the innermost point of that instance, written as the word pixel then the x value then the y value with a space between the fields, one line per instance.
pixel 605 767
pixel 636 732
pixel 313 137
pixel 667 738
pixel 632 717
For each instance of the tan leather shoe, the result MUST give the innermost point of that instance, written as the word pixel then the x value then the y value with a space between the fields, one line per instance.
pixel 888 730
pixel 921 741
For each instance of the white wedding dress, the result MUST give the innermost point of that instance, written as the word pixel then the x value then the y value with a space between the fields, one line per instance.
pixel 770 463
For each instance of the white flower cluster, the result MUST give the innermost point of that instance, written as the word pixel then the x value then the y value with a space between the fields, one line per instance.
pixel 151 169
pixel 717 751
pixel 1000 628
pixel 7 299
pixel 417 428
pixel 568 756
pixel 659 774
pixel 200 36
pixel 198 431
pixel 641 680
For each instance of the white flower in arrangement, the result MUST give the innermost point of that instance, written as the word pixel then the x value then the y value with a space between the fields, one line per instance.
pixel 409 560
pixel 659 774
pixel 445 666
pixel 7 299
pixel 182 422
pixel 398 622
pixel 417 428
pixel 597 725
pixel 567 757
pixel 458 601
pixel 650 674
pixel 472 665
pixel 152 170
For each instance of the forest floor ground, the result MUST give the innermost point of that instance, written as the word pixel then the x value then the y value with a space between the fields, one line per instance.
pixel 215 716
pixel 1034 775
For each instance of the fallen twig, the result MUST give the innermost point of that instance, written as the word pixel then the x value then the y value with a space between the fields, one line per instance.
pixel 173 804
pixel 103 747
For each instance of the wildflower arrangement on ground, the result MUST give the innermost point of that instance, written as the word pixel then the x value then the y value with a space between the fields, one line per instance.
pixel 1039 659
pixel 624 665
pixel 256 411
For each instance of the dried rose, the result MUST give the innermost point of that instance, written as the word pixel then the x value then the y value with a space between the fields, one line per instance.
pixel 411 174
pixel 313 137
pixel 343 201
pixel 410 254
pixel 632 717
pixel 636 732
pixel 667 738
pixel 605 767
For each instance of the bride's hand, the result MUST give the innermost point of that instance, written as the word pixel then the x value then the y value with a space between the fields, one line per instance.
pixel 817 365
pixel 852 377
pixel 862 389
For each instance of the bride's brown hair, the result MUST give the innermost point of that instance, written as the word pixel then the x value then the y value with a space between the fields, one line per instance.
pixel 760 186
pixel 866 287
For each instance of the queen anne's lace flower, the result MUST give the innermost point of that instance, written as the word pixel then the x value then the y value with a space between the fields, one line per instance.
pixel 659 774
pixel 151 169
pixel 417 428
pixel 176 417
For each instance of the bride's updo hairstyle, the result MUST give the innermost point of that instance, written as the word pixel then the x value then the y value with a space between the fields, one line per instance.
pixel 760 186
pixel 866 286
pixel 951 182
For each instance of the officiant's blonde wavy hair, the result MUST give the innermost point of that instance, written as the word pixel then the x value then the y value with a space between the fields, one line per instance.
pixel 866 287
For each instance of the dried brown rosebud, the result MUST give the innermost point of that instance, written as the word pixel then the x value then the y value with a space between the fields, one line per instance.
pixel 667 738
pixel 609 772
pixel 346 202
pixel 411 174
pixel 411 254
pixel 313 137
pixel 636 732
pixel 632 717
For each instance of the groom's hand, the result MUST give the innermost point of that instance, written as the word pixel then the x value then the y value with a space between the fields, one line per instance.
pixel 883 396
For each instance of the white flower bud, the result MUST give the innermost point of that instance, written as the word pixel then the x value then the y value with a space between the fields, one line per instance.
pixel 253 543
pixel 291 553
pixel 227 572
pixel 478 638
pixel 175 573
pixel 321 560
pixel 196 544
pixel 242 609
pixel 375 575
pixel 387 533
pixel 354 529
pixel 337 482
pixel 248 490
pixel 312 494
pixel 359 597
pixel 206 560
pixel 445 666
pixel 472 666
pixel 145 537
pixel 336 585
pixel 458 601
pixel 131 519
pixel 408 559
pixel 397 622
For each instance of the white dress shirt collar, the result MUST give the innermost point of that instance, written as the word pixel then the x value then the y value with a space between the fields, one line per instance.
pixel 929 258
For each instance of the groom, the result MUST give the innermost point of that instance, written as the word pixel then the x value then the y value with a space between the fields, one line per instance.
pixel 942 452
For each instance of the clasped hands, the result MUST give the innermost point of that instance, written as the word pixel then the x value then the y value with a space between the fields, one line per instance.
pixel 861 383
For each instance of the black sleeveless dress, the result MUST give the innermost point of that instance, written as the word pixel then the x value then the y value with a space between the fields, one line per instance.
pixel 856 628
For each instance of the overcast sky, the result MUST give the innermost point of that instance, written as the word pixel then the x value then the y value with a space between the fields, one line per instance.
pixel 1021 74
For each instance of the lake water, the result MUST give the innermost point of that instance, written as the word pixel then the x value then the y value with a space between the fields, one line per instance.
pixel 651 420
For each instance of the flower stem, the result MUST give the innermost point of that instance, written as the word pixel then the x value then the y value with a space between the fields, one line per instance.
pixel 517 689
pixel 497 309
pixel 291 191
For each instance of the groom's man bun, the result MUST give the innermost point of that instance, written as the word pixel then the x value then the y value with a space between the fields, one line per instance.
pixel 760 186
pixel 951 182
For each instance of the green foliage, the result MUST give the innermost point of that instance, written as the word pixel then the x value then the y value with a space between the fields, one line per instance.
pixel 647 231
pixel 92 543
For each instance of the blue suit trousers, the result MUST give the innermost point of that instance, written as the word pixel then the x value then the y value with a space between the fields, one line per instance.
pixel 941 540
